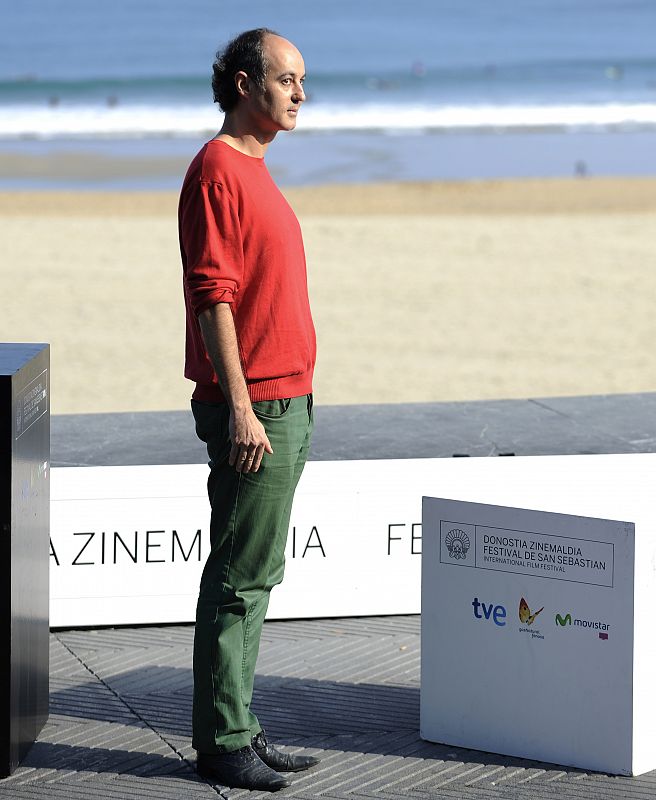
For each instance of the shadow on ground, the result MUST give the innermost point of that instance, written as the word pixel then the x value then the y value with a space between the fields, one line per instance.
pixel 327 715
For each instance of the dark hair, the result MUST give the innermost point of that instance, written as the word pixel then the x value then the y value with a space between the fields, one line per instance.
pixel 244 53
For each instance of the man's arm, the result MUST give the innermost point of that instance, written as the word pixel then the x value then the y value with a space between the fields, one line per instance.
pixel 247 434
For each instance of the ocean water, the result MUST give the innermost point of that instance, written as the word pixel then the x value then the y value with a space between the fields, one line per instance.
pixel 99 76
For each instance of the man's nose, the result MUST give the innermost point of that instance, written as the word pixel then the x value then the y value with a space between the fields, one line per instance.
pixel 299 94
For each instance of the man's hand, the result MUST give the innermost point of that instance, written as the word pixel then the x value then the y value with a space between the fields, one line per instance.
pixel 249 440
pixel 247 434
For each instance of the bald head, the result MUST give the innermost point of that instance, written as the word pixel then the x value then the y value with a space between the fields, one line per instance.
pixel 278 50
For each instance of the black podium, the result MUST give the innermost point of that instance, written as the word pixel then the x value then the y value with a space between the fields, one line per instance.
pixel 24 547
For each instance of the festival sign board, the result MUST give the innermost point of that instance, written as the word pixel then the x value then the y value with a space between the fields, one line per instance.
pixel 530 639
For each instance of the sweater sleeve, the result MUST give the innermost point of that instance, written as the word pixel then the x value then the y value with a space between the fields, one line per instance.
pixel 210 238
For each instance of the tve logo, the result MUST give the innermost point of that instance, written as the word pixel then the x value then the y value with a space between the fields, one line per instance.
pixel 489 611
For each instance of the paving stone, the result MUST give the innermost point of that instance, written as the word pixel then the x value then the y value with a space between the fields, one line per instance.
pixel 120 726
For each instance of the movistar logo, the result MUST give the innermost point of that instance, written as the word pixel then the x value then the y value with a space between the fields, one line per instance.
pixel 595 625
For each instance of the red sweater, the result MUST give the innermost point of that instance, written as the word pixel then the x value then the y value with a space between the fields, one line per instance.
pixel 241 244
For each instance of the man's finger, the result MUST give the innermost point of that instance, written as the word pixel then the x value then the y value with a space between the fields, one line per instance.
pixel 258 458
pixel 242 459
pixel 238 453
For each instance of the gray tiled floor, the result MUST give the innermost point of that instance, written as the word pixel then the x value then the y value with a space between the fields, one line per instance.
pixel 347 689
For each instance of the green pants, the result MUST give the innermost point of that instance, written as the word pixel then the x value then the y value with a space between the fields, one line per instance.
pixel 248 532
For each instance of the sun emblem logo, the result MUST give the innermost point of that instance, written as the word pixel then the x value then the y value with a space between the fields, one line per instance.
pixel 457 543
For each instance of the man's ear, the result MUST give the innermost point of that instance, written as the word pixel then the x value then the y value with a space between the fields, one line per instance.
pixel 243 83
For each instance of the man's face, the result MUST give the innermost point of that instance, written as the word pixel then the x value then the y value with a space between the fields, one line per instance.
pixel 276 108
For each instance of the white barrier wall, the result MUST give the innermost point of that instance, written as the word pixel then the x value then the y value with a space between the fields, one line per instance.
pixel 128 543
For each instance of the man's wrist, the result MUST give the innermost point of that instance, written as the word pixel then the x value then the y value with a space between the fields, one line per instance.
pixel 241 406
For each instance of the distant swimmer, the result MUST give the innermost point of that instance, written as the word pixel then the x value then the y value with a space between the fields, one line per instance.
pixel 580 169
pixel 614 72
pixel 418 69
pixel 382 84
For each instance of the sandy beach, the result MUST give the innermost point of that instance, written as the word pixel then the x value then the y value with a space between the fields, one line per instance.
pixel 420 292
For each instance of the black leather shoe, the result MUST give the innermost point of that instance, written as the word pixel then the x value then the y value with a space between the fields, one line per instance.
pixel 240 769
pixel 276 759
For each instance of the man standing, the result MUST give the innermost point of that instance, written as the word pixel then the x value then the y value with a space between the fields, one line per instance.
pixel 250 348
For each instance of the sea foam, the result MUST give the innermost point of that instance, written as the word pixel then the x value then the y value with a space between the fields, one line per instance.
pixel 142 120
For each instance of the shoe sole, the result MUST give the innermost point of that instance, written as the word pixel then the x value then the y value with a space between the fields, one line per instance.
pixel 291 769
pixel 210 775
pixel 299 769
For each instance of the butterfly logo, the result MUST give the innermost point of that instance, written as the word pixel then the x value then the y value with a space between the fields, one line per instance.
pixel 525 615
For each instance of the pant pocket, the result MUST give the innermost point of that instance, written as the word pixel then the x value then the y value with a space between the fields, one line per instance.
pixel 272 409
